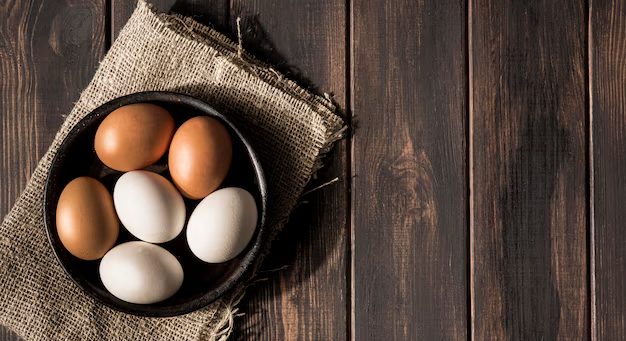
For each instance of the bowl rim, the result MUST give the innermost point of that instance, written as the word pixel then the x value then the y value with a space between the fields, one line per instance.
pixel 247 262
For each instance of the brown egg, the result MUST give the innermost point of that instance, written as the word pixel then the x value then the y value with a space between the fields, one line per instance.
pixel 134 136
pixel 200 156
pixel 86 221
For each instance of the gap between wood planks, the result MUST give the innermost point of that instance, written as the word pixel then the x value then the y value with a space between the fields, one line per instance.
pixel 349 89
pixel 470 177
pixel 591 250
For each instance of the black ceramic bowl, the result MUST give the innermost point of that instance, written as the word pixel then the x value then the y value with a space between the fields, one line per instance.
pixel 203 282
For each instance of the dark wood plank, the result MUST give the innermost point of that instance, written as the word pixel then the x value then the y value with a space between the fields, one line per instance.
pixel 306 40
pixel 308 299
pixel 608 103
pixel 213 13
pixel 529 194
pixel 49 51
pixel 409 162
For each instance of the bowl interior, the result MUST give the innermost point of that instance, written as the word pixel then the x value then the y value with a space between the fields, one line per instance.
pixel 203 282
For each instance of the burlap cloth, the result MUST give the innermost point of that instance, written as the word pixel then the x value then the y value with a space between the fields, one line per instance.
pixel 289 128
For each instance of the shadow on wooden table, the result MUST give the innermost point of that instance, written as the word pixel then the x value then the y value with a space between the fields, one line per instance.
pixel 257 42
pixel 307 241
pixel 299 231
pixel 255 39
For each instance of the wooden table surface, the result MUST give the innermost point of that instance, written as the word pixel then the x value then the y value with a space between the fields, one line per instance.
pixel 482 192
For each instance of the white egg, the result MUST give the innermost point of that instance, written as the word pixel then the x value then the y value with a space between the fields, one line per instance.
pixel 222 224
pixel 141 273
pixel 149 206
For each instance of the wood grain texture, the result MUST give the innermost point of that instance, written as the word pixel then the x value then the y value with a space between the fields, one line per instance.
pixel 409 164
pixel 49 51
pixel 608 103
pixel 529 195
pixel 306 40
pixel 307 300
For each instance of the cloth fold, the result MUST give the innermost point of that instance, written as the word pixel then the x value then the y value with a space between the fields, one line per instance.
pixel 289 128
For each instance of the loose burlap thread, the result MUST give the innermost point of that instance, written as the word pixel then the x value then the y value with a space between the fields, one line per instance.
pixel 290 129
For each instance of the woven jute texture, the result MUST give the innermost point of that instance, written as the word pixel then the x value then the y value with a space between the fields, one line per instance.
pixel 289 128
